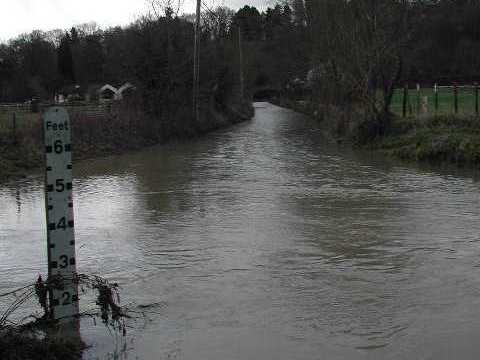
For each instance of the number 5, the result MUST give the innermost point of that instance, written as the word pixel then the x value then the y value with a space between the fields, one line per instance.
pixel 60 186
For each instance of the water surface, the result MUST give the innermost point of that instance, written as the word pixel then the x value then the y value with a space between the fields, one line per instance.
pixel 265 241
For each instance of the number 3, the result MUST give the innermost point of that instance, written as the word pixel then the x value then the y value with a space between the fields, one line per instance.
pixel 64 259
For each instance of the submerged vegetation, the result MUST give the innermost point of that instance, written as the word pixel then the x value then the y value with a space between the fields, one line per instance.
pixel 19 343
pixel 38 336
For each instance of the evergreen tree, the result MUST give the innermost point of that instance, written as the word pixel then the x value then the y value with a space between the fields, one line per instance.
pixel 65 60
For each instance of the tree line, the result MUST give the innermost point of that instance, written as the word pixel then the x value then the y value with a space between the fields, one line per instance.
pixel 438 40
pixel 361 50
pixel 153 50
pixel 362 46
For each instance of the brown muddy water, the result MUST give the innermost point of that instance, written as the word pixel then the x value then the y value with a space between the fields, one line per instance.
pixel 264 241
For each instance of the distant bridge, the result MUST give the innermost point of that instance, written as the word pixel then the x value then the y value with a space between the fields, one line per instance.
pixel 269 92
pixel 265 93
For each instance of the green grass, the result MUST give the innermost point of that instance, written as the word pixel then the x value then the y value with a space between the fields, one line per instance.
pixel 435 139
pixel 466 101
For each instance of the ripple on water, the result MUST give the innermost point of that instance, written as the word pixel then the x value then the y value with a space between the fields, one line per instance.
pixel 267 239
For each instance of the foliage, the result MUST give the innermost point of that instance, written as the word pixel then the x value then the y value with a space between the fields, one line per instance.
pixel 348 54
pixel 434 139
pixel 42 337
pixel 363 48
pixel 444 46
pixel 156 54
pixel 37 338
pixel 26 343
pixel 107 300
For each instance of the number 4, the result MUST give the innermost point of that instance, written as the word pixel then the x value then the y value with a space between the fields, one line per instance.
pixel 62 224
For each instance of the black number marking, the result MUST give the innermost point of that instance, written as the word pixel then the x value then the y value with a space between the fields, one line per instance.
pixel 62 224
pixel 66 298
pixel 64 261
pixel 60 186
pixel 58 147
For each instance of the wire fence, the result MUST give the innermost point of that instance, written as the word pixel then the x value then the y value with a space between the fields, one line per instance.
pixel 20 121
pixel 436 100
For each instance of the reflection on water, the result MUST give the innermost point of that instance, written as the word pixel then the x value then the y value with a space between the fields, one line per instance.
pixel 264 241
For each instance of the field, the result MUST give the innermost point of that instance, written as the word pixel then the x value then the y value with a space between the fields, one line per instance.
pixel 17 124
pixel 466 101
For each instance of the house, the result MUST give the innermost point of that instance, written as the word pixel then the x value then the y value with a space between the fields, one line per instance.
pixel 108 92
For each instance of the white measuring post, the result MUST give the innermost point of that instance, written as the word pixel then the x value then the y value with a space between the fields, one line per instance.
pixel 59 209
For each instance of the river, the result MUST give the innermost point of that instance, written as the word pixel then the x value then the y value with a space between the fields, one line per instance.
pixel 266 241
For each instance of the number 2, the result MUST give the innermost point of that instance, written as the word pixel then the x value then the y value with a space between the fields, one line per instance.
pixel 66 298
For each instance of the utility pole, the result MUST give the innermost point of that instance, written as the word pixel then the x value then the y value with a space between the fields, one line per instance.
pixel 240 50
pixel 196 63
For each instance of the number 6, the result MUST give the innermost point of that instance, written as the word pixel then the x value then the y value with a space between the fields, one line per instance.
pixel 58 147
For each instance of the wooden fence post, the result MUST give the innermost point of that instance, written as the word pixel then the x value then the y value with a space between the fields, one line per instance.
pixel 405 96
pixel 14 128
pixel 455 98
pixel 476 99
pixel 418 99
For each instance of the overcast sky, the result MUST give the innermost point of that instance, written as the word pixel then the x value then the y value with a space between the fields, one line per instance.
pixel 20 16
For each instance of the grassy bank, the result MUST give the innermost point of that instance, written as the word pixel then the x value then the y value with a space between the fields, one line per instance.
pixel 434 139
pixel 120 128
pixel 429 138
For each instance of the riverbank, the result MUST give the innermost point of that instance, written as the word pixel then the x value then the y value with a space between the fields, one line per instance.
pixel 205 229
pixel 18 344
pixel 123 128
pixel 301 106
pixel 433 139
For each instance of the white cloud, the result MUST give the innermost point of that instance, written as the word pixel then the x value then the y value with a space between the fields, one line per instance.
pixel 19 16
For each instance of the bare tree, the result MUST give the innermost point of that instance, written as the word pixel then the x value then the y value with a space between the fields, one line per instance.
pixel 359 44
pixel 218 22
pixel 89 28
pixel 165 7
